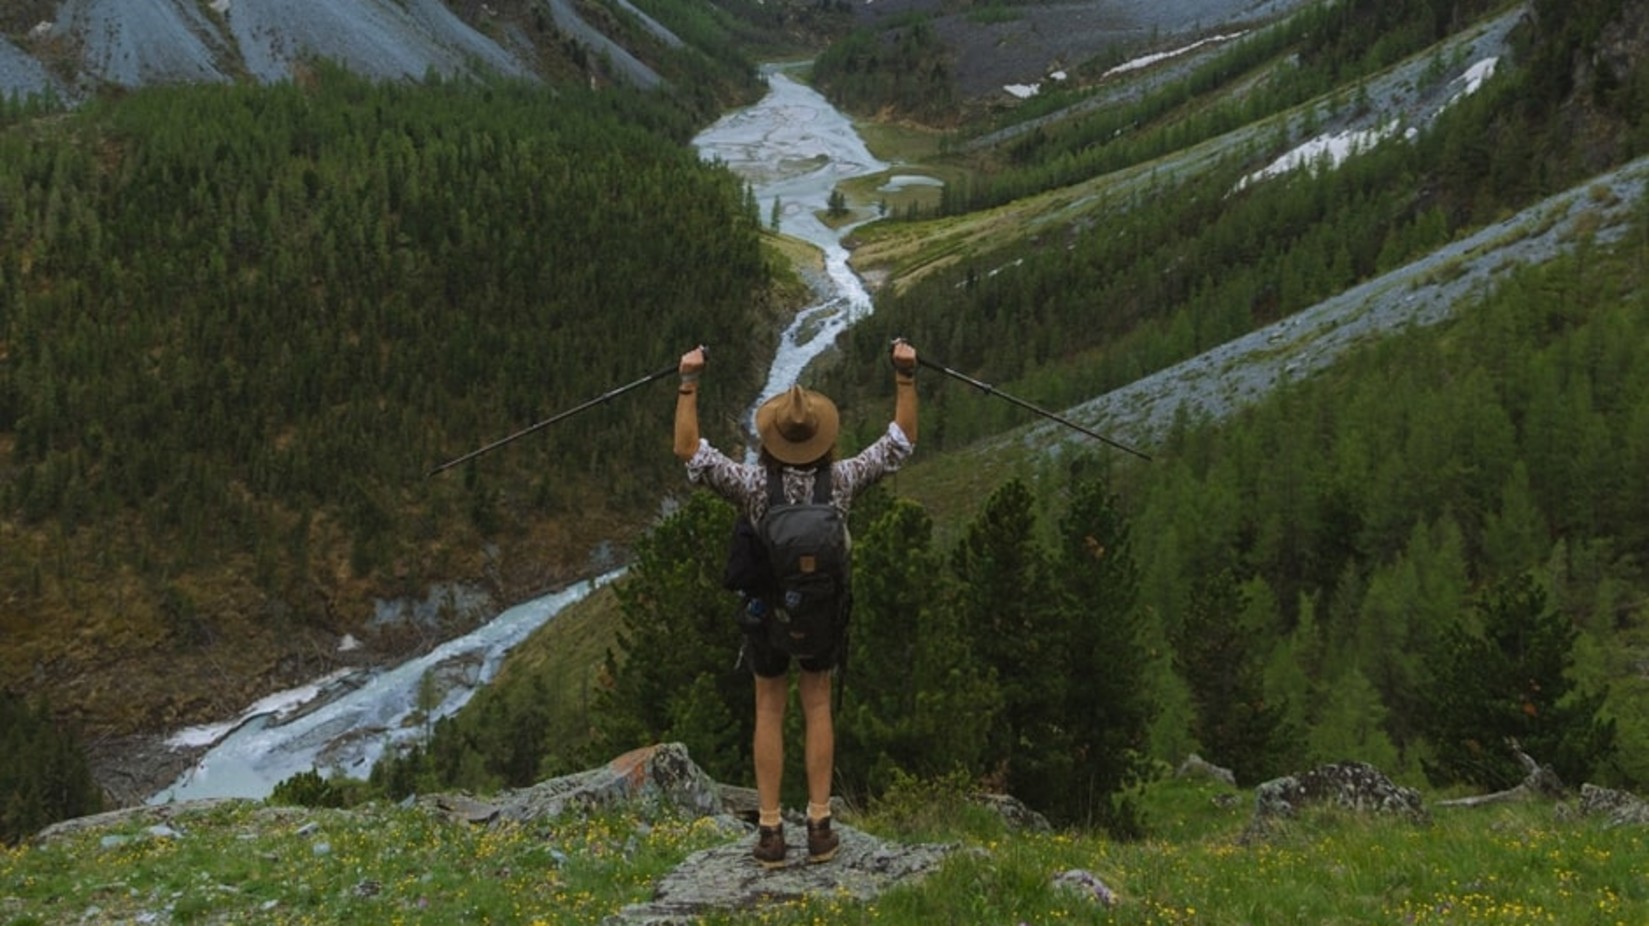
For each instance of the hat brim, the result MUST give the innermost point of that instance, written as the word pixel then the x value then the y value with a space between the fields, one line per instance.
pixel 797 453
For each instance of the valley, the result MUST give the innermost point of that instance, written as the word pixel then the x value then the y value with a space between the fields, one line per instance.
pixel 1036 266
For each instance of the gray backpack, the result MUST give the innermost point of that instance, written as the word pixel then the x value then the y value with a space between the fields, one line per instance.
pixel 808 551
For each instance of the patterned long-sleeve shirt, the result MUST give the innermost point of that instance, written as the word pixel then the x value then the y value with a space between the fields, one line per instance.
pixel 745 484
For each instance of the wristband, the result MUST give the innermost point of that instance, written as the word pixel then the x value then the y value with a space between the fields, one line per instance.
pixel 687 379
pixel 687 389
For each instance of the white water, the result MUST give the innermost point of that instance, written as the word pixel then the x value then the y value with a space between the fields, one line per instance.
pixel 792 145
pixel 277 738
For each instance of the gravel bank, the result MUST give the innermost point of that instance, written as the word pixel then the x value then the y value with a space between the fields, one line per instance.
pixel 1240 373
pixel 134 42
pixel 21 75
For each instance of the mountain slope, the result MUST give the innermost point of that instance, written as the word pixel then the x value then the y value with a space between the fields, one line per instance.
pixel 1399 103
pixel 78 46
pixel 132 43
pixel 394 37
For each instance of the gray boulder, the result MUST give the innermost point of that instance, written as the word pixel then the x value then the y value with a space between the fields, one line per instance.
pixel 1196 766
pixel 1355 786
pixel 1014 812
pixel 1622 808
pixel 661 775
pixel 727 878
pixel 1087 885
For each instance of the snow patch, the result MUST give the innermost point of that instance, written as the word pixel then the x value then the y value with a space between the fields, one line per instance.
pixel 1326 151
pixel 1330 151
pixel 1473 78
pixel 1146 61
pixel 1026 91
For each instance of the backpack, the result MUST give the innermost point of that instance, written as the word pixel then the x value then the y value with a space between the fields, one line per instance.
pixel 795 561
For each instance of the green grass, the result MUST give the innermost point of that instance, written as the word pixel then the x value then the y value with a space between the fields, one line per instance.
pixel 244 862
pixel 567 650
pixel 381 864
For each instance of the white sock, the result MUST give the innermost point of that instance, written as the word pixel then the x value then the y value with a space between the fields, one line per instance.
pixel 770 818
pixel 817 812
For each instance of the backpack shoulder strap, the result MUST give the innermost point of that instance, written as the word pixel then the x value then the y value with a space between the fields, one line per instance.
pixel 821 484
pixel 775 486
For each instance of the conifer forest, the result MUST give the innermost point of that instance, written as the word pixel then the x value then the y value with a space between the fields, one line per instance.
pixel 240 323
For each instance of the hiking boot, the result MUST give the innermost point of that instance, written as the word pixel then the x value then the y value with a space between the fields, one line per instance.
pixel 822 842
pixel 770 846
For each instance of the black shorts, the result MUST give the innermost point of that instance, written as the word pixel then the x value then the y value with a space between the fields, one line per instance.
pixel 768 661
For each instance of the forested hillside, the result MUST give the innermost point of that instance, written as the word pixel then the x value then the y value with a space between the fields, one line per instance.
pixel 1312 523
pixel 1188 260
pixel 240 324
pixel 1411 561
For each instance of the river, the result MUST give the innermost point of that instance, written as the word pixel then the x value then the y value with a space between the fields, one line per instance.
pixel 792 146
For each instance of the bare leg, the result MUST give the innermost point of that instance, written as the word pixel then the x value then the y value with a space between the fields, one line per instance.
pixel 821 736
pixel 768 745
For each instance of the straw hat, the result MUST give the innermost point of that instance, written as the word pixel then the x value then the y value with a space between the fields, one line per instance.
pixel 798 426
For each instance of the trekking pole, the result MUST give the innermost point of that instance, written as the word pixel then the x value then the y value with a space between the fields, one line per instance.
pixel 604 397
pixel 992 390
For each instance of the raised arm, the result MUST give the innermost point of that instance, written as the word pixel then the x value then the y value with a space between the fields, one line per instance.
pixel 904 387
pixel 687 404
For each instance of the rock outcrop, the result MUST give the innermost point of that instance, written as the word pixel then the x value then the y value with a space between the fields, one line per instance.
pixel 662 776
pixel 1355 786
pixel 658 779
pixel 727 878
pixel 722 878
pixel 1014 812
pixel 1196 766
pixel 1621 808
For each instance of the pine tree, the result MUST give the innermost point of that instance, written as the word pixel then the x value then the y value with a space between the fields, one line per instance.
pixel 678 628
pixel 1350 726
pixel 916 700
pixel 1107 707
pixel 702 721
pixel 44 776
pixel 1508 680
pixel 1013 620
pixel 1213 653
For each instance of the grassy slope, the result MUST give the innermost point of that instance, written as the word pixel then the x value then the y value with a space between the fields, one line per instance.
pixel 239 862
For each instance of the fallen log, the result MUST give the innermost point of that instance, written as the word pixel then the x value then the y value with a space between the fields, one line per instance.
pixel 1539 781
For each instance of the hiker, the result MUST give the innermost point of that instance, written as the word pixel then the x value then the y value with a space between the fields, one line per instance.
pixel 798 437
